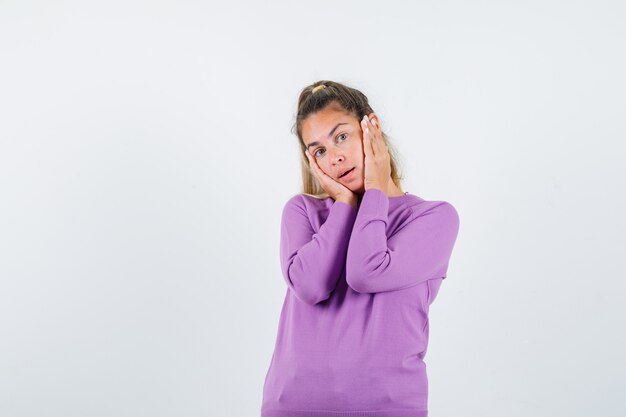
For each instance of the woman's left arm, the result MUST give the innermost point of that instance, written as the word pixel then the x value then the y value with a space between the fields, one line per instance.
pixel 419 251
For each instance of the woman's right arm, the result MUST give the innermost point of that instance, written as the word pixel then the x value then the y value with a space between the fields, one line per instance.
pixel 312 262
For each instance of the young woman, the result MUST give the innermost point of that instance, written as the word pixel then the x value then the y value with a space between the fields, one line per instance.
pixel 362 261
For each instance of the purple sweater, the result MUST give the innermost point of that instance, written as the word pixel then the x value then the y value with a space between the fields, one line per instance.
pixel 353 328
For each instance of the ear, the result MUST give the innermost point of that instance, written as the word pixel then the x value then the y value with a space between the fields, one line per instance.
pixel 374 119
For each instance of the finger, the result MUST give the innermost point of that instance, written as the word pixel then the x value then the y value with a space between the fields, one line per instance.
pixel 378 144
pixel 371 121
pixel 317 171
pixel 367 139
pixel 374 134
pixel 312 162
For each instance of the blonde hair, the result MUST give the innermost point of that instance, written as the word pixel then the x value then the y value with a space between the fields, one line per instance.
pixel 318 96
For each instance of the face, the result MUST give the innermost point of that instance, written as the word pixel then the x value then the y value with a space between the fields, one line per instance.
pixel 335 140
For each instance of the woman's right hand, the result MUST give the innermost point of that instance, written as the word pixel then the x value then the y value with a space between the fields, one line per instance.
pixel 336 190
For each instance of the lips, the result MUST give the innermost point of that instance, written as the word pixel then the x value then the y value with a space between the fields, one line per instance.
pixel 346 172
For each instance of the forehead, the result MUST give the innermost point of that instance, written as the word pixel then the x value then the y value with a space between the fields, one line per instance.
pixel 318 125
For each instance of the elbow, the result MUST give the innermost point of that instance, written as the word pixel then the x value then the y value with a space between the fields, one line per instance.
pixel 359 287
pixel 357 280
pixel 309 295
pixel 310 298
pixel 306 293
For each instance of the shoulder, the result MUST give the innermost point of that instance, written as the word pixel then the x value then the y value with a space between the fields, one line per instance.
pixel 439 209
pixel 303 199
pixel 306 203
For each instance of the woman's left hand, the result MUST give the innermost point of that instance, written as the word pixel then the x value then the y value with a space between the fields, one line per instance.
pixel 377 159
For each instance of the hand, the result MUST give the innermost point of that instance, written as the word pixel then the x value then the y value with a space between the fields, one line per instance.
pixel 336 190
pixel 377 158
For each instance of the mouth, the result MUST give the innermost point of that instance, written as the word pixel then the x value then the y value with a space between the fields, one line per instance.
pixel 347 172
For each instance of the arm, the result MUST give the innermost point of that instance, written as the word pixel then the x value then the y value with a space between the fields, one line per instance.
pixel 419 251
pixel 312 262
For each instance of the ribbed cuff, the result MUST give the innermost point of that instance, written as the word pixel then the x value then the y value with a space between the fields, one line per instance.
pixel 374 204
pixel 341 215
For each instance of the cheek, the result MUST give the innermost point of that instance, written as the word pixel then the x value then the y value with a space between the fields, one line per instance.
pixel 360 143
pixel 359 150
pixel 324 166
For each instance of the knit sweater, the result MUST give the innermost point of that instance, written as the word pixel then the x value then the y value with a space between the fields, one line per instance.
pixel 353 329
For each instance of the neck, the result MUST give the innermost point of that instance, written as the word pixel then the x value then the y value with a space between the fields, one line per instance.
pixel 392 191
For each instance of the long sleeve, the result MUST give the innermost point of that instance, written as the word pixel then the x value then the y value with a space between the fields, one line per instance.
pixel 312 262
pixel 420 250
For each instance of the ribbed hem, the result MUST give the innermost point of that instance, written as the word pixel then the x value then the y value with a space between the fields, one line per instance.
pixel 323 413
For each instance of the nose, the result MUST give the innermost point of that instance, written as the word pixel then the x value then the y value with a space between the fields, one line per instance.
pixel 336 155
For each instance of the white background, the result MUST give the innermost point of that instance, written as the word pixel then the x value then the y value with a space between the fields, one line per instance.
pixel 146 154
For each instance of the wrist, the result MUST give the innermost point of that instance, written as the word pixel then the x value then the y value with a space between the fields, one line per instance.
pixel 378 186
pixel 347 200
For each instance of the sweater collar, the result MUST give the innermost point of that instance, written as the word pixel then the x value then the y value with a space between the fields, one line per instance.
pixel 395 201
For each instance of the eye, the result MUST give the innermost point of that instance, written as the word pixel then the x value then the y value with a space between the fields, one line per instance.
pixel 317 150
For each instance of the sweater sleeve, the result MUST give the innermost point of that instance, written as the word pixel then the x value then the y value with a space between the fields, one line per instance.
pixel 420 250
pixel 312 262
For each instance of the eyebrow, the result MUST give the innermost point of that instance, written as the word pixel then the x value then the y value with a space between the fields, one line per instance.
pixel 329 134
